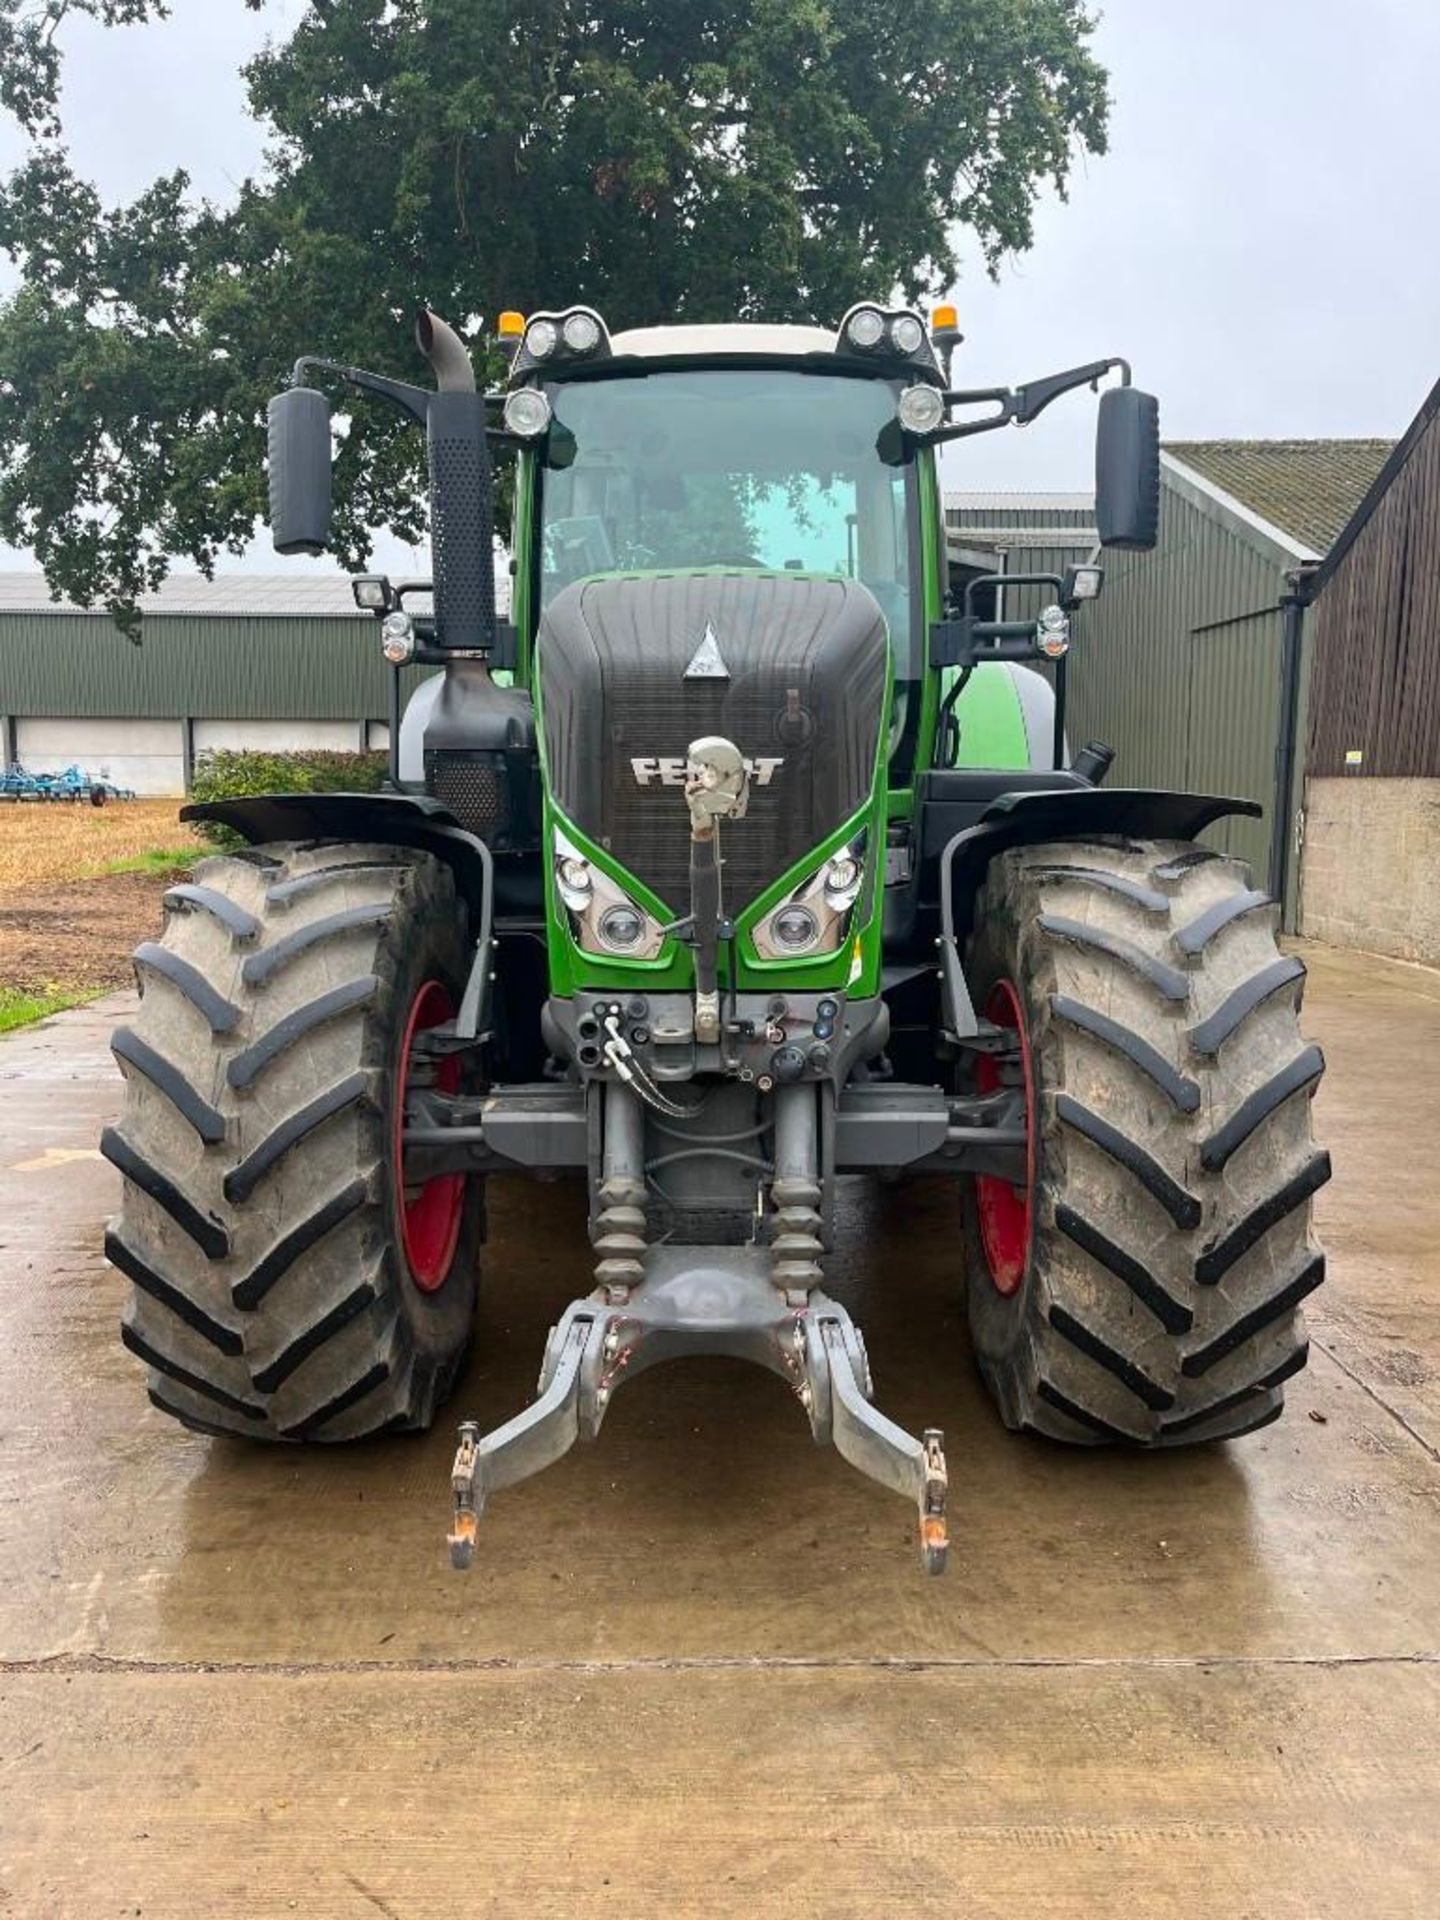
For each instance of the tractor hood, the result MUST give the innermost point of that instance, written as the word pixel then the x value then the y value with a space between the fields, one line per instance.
pixel 634 667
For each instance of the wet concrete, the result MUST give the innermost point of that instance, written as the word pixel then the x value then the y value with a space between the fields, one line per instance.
pixel 695 1668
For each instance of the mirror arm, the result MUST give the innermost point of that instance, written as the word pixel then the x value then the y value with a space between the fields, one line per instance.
pixel 1036 395
pixel 412 400
pixel 1023 404
pixel 1005 401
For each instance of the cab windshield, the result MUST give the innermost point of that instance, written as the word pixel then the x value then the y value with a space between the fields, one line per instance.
pixel 721 468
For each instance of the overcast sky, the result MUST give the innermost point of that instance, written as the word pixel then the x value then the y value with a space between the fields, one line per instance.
pixel 1259 240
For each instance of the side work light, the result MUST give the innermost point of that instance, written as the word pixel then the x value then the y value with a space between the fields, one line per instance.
pixel 372 593
pixel 921 409
pixel 527 413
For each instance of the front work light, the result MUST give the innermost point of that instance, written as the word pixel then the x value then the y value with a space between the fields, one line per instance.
pixel 891 333
pixel 907 333
pixel 581 332
pixel 527 413
pixel 921 409
pixel 865 328
pixel 560 338
pixel 397 638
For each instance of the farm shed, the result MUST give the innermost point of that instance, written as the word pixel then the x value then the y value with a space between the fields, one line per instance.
pixel 245 660
pixel 1017 533
pixel 1371 867
pixel 1193 664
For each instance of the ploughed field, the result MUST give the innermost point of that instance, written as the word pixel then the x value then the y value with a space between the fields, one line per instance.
pixel 80 887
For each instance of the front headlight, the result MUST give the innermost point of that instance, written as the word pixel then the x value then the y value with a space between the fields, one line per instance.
pixel 815 918
pixel 603 918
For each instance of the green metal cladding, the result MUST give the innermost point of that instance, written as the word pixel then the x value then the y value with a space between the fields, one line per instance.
pixel 210 666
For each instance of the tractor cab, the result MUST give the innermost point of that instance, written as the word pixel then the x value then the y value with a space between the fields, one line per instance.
pixel 731 482
pixel 745 448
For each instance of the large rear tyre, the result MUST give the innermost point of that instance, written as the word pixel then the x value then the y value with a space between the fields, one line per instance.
pixel 286 1283
pixel 1145 1288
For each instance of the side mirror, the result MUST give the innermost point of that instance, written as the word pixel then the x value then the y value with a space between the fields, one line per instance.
pixel 300 495
pixel 1127 469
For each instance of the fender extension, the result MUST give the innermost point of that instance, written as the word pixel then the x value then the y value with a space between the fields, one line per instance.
pixel 1027 819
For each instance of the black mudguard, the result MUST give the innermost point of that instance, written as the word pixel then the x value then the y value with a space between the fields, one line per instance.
pixel 1082 813
pixel 386 819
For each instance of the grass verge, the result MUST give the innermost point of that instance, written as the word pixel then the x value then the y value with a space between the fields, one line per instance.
pixel 19 1009
pixel 153 860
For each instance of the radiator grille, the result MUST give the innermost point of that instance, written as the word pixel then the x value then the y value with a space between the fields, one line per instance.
pixel 803 689
pixel 647 825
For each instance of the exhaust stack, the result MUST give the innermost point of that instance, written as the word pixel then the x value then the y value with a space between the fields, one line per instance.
pixel 445 350
pixel 462 494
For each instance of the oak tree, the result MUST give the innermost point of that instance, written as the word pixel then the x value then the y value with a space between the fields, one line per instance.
pixel 657 159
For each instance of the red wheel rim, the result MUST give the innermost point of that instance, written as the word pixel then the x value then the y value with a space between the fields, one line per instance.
pixel 429 1212
pixel 1004 1210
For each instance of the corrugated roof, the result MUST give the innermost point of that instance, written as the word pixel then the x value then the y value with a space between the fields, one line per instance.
pixel 261 595
pixel 993 502
pixel 1306 488
pixel 1007 534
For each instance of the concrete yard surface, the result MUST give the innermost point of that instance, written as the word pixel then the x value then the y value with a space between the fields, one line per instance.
pixel 696 1670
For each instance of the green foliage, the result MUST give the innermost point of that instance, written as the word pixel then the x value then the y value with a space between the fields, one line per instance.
pixel 30 53
pixel 658 159
pixel 224 774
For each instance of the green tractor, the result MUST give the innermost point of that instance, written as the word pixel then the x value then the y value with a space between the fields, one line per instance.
pixel 740 860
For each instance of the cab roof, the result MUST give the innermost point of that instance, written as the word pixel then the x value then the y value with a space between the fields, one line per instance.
pixel 740 338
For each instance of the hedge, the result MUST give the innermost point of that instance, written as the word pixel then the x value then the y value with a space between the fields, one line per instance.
pixel 221 774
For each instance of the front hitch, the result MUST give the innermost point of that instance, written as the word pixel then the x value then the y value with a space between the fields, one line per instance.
pixel 717 1300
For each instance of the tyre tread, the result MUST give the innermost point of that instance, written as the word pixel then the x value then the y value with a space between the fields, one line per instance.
pixel 269 1296
pixel 1176 1323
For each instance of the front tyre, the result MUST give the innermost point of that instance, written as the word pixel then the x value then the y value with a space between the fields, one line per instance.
pixel 289 1282
pixel 1146 1287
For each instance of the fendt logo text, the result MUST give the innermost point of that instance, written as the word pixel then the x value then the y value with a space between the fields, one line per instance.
pixel 671 772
